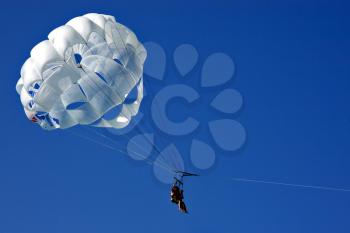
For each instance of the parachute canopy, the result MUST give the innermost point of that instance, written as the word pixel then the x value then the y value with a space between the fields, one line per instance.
pixel 83 74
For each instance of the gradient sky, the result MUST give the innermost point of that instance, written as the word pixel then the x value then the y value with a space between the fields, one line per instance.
pixel 292 61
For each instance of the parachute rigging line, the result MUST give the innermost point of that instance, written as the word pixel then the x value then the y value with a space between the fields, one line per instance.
pixel 174 162
pixel 113 141
pixel 147 160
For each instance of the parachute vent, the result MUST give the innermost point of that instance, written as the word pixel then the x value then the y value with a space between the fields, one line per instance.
pixel 101 77
pixel 118 61
pixel 77 58
pixel 75 105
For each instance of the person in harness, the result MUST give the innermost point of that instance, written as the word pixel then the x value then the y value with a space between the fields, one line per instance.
pixel 177 192
pixel 177 197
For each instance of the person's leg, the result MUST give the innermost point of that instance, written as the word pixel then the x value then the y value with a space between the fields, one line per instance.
pixel 182 207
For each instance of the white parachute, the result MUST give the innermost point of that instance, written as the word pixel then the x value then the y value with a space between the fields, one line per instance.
pixel 83 74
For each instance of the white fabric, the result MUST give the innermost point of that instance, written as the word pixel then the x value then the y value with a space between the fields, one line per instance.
pixel 85 68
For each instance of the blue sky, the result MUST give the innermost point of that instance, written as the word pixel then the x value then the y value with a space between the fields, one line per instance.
pixel 292 68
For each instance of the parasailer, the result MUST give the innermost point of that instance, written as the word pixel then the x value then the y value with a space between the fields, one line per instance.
pixel 84 74
pixel 176 194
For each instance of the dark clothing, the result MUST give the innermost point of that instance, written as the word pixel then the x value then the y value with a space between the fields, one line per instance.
pixel 175 194
pixel 177 198
pixel 182 207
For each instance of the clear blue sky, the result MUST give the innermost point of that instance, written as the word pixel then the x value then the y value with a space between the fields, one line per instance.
pixel 293 69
